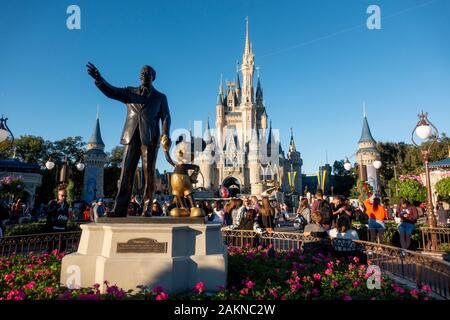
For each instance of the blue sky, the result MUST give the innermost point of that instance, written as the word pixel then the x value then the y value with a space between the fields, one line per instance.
pixel 318 63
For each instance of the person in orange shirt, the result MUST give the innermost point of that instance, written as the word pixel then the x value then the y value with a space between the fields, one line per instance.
pixel 377 213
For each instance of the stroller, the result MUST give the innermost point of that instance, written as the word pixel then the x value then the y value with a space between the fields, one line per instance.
pixel 300 222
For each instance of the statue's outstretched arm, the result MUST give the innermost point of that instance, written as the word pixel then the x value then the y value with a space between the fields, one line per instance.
pixel 120 94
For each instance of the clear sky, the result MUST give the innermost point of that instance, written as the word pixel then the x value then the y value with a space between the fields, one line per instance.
pixel 318 63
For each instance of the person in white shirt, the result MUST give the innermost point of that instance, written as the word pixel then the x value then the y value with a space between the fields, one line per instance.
pixel 343 230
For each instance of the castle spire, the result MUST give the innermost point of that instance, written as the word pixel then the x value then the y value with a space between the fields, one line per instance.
pixel 292 143
pixel 220 95
pixel 366 135
pixel 96 141
pixel 238 81
pixel 247 42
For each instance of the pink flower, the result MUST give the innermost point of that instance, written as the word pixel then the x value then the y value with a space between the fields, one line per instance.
pixel 10 276
pixel 29 285
pixel 414 293
pixel 399 290
pixel 250 284
pixel 330 265
pixel 334 283
pixel 426 288
pixel 162 296
pixel 244 291
pixel 317 276
pixel 16 295
pixel 157 289
pixel 295 286
pixel 54 252
pixel 356 283
pixel 355 259
pixel 328 271
pixel 199 287
pixel 351 266
pixel 49 290
pixel 346 296
pixel 274 293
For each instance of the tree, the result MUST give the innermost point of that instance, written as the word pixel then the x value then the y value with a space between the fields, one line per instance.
pixel 30 149
pixel 412 190
pixel 443 189
pixel 114 158
pixel 343 180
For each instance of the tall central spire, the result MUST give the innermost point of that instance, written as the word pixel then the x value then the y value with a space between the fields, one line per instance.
pixel 247 68
pixel 247 42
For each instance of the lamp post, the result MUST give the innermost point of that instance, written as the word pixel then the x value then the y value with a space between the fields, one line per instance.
pixel 65 169
pixel 5 133
pixel 377 165
pixel 425 130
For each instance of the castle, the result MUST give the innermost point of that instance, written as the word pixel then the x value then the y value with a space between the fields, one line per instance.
pixel 239 155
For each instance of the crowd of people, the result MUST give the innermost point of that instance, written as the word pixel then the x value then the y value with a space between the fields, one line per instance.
pixel 319 216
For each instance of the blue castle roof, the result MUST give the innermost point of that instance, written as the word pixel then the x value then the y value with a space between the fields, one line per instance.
pixel 366 135
pixel 96 137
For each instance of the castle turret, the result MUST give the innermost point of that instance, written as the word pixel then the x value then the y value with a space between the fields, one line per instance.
pixel 206 160
pixel 95 161
pixel 367 154
pixel 294 166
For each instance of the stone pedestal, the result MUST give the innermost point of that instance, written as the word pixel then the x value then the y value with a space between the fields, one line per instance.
pixel 174 253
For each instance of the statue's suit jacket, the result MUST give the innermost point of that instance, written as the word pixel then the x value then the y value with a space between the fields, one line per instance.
pixel 143 114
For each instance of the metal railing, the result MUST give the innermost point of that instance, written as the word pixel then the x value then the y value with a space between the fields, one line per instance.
pixel 411 266
pixel 442 236
pixel 40 243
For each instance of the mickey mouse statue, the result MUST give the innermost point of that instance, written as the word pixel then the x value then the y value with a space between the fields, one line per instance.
pixel 184 175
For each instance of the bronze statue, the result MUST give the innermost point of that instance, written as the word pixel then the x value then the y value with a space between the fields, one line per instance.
pixel 184 175
pixel 141 133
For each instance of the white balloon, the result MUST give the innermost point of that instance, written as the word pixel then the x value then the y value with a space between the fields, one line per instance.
pixel 423 132
pixel 49 165
pixel 377 164
pixel 348 166
pixel 80 166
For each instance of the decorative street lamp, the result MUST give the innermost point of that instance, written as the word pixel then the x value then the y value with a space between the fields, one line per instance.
pixel 425 130
pixel 347 165
pixel 5 133
pixel 65 170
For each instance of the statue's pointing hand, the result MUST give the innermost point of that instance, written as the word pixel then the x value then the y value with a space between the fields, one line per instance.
pixel 93 71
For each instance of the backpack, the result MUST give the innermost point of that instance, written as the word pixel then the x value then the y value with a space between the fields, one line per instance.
pixel 414 215
pixel 325 211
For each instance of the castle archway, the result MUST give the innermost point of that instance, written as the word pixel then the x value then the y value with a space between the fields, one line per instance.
pixel 233 185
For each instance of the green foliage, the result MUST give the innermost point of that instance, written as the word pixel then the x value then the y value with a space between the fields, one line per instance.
pixel 412 190
pixel 114 158
pixel 443 189
pixel 359 191
pixel 344 180
pixel 34 228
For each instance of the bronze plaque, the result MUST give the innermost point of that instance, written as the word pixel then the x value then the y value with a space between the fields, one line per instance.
pixel 142 245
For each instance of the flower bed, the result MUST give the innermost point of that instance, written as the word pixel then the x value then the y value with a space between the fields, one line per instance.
pixel 254 273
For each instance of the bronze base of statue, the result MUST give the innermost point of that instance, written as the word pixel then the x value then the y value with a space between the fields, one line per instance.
pixel 197 212
pixel 179 212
